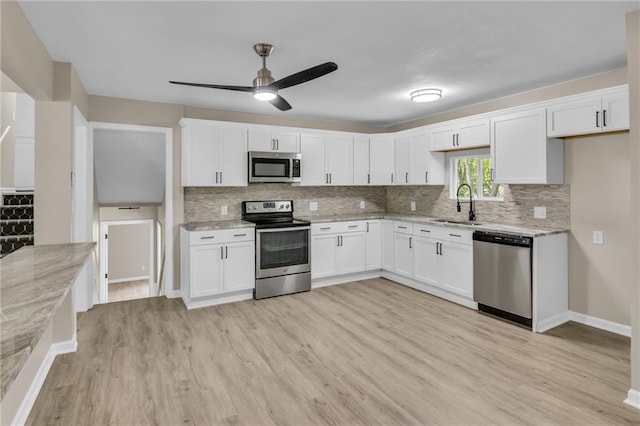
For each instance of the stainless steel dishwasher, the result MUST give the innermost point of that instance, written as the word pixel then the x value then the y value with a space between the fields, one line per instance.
pixel 502 275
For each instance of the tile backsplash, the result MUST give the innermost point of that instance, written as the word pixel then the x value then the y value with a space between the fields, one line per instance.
pixel 516 209
pixel 205 204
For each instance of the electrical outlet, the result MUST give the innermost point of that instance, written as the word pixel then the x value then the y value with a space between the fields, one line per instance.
pixel 540 212
pixel 413 206
pixel 313 206
pixel 362 204
pixel 224 210
pixel 598 237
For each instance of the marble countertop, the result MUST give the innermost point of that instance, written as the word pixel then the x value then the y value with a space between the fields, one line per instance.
pixel 34 282
pixel 479 226
pixel 217 224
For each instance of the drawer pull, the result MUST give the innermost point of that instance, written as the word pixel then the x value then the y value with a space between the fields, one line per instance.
pixel 207 238
pixel 455 235
pixel 240 235
pixel 425 230
pixel 402 227
pixel 325 229
pixel 353 226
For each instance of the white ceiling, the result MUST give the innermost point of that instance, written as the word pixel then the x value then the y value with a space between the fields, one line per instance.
pixel 473 51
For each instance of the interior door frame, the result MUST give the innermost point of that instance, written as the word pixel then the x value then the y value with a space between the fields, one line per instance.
pixel 167 273
pixel 104 257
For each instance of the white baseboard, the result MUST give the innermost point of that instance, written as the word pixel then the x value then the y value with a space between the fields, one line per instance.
pixel 172 294
pixel 602 324
pixel 551 322
pixel 30 398
pixel 324 282
pixel 124 280
pixel 633 398
pixel 191 304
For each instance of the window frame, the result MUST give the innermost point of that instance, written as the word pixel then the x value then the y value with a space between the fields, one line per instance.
pixel 453 177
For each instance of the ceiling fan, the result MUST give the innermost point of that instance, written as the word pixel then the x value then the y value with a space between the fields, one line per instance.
pixel 265 88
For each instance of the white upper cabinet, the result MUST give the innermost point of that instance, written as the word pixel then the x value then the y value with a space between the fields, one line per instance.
pixel 213 155
pixel 266 139
pixel 521 152
pixel 381 159
pixel 327 159
pixel 460 134
pixel 361 160
pixel 593 113
pixel 402 160
pixel 423 167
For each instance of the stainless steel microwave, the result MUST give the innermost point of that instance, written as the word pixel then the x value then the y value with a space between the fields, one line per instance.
pixel 274 167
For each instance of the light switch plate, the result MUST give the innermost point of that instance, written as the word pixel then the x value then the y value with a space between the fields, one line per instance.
pixel 224 210
pixel 598 237
pixel 313 206
pixel 413 206
pixel 362 204
pixel 540 212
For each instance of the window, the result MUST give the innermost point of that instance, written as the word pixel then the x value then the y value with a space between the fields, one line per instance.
pixel 475 171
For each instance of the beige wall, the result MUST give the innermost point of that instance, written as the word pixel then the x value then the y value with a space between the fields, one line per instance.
pixel 633 63
pixel 68 87
pixel 129 251
pixel 600 276
pixel 7 150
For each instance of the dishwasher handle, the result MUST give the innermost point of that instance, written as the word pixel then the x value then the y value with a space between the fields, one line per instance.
pixel 503 239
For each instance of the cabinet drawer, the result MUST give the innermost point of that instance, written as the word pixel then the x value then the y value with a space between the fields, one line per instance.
pixel 218 236
pixel 402 227
pixel 428 231
pixel 338 227
pixel 457 235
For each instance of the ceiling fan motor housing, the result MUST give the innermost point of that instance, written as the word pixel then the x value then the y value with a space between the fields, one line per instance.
pixel 263 79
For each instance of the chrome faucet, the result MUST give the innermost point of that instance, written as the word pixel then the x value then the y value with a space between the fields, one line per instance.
pixel 472 214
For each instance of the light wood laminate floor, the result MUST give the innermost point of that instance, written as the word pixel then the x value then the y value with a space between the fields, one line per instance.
pixel 129 290
pixel 368 352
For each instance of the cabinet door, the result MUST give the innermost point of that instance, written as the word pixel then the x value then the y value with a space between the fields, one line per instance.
pixel 373 243
pixel 351 254
pixel 472 134
pixel 402 160
pixel 339 160
pixel 361 160
pixel 387 245
pixel 205 270
pixel 402 254
pixel 457 268
pixel 443 138
pixel 575 117
pixel 519 147
pixel 233 157
pixel 426 167
pixel 426 267
pixel 324 255
pixel 239 274
pixel 199 156
pixel 381 159
pixel 615 112
pixel 313 160
pixel 261 140
pixel 287 141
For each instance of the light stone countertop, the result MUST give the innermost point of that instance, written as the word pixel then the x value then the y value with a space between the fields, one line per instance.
pixel 480 226
pixel 217 224
pixel 34 282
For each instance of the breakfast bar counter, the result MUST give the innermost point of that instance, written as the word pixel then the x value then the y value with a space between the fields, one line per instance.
pixel 36 313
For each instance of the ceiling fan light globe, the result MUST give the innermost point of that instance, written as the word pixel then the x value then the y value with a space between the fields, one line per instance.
pixel 265 95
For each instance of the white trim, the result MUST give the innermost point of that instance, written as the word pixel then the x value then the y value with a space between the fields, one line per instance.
pixel 245 295
pixel 633 398
pixel 124 280
pixel 342 279
pixel 173 294
pixel 29 399
pixel 168 191
pixel 613 327
pixel 551 322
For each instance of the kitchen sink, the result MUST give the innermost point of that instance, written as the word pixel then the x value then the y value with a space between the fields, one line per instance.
pixel 458 222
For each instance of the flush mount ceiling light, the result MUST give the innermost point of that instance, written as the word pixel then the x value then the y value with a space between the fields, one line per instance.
pixel 426 95
pixel 264 94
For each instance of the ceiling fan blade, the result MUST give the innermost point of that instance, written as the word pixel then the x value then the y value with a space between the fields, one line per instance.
pixel 280 103
pixel 304 76
pixel 216 86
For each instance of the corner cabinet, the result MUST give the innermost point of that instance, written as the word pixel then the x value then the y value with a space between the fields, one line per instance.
pixel 415 164
pixel 213 154
pixel 604 111
pixel 326 160
pixel 521 152
pixel 460 134
pixel 216 264
pixel 338 248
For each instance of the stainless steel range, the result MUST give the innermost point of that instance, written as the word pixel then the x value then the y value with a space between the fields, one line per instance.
pixel 283 248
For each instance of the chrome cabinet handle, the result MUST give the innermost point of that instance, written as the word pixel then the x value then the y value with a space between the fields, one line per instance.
pixel 410 238
pixel 368 178
pixel 207 238
pixel 338 242
pixel 455 235
pixel 437 245
pixel 597 122
pixel 353 226
pixel 425 230
pixel 226 252
pixel 220 177
pixel 325 229
pixel 604 118
pixel 441 253
pixel 453 139
pixel 406 177
pixel 426 177
pixel 239 235
pixel 402 227
pixel 216 177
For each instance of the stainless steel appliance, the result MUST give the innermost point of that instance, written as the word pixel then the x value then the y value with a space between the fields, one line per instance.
pixel 274 167
pixel 502 275
pixel 283 248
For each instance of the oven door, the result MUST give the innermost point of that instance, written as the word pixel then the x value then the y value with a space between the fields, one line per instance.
pixel 272 169
pixel 283 251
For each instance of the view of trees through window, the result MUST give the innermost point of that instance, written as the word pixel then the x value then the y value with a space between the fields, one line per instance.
pixel 476 172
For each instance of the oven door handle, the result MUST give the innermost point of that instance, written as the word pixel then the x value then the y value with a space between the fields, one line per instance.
pixel 287 229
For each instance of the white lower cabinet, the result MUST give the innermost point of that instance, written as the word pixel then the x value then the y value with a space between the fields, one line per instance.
pixel 387 251
pixel 456 265
pixel 373 245
pixel 402 251
pixel 216 263
pixel 338 248
pixel 426 267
